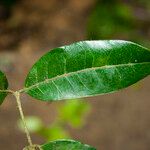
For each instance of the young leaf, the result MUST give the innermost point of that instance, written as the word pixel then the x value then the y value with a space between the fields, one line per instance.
pixel 87 68
pixel 3 86
pixel 66 145
pixel 74 112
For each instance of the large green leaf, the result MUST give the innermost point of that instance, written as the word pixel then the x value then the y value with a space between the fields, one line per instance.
pixel 66 145
pixel 3 86
pixel 87 68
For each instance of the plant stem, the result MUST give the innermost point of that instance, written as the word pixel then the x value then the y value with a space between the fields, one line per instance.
pixel 17 95
pixel 7 91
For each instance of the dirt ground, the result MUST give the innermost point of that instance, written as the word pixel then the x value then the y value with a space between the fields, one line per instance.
pixel 119 121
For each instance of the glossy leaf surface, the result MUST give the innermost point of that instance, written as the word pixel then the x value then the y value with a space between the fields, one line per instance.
pixel 87 68
pixel 3 86
pixel 66 145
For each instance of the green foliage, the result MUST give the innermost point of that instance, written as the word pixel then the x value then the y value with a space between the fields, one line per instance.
pixel 117 19
pixel 87 68
pixel 3 86
pixel 82 69
pixel 66 145
pixel 35 125
pixel 71 113
pixel 145 4
pixel 54 132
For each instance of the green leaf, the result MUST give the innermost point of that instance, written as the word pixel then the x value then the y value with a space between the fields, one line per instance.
pixel 3 86
pixel 66 145
pixel 87 68
pixel 74 112
pixel 54 132
pixel 119 22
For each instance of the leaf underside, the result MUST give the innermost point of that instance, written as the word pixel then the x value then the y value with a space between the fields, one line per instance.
pixel 66 145
pixel 87 68
pixel 3 86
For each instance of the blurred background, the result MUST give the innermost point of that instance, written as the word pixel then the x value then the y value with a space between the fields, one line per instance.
pixel 28 29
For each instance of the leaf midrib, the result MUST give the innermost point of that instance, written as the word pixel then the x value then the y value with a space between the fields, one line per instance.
pixel 76 72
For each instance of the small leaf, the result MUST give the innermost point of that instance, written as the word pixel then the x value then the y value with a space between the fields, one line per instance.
pixel 66 145
pixel 54 132
pixel 87 68
pixel 3 86
pixel 74 112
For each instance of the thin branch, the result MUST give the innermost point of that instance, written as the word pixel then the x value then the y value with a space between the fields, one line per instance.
pixel 7 91
pixel 17 95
